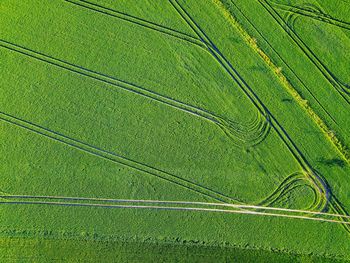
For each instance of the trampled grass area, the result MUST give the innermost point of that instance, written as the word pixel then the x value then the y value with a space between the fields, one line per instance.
pixel 169 124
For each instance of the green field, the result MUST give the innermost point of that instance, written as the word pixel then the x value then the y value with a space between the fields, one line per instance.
pixel 174 131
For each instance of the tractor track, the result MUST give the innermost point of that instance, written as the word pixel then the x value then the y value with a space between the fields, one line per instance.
pixel 241 134
pixel 285 63
pixel 179 206
pixel 316 180
pixel 137 21
pixel 329 76
pixel 312 11
pixel 320 185
pixel 329 200
pixel 114 157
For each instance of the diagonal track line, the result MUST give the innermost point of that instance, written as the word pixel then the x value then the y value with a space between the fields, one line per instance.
pixel 241 134
pixel 113 157
pixel 138 21
pixel 316 180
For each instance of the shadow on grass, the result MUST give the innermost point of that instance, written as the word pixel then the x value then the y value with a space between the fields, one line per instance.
pixel 333 162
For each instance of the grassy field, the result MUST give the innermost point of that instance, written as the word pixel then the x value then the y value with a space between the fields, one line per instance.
pixel 175 131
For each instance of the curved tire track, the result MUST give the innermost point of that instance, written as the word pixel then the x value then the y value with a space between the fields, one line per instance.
pixel 241 134
pixel 316 180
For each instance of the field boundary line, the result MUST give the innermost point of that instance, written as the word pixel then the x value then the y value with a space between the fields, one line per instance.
pixel 175 208
pixel 253 42
pixel 328 133
pixel 329 76
pixel 179 202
